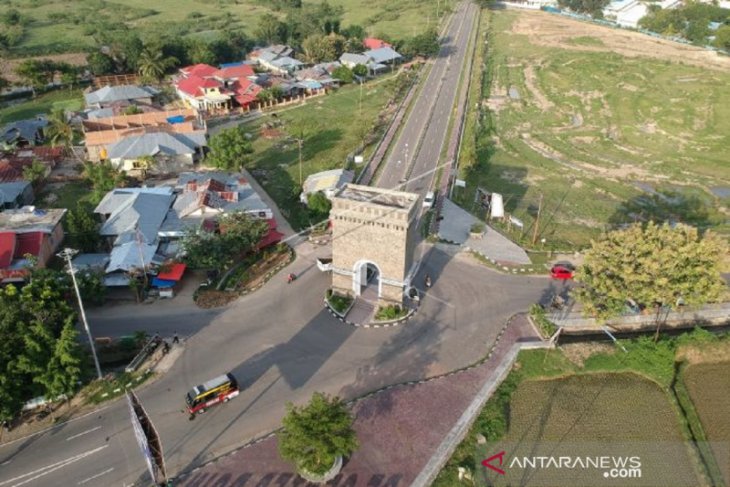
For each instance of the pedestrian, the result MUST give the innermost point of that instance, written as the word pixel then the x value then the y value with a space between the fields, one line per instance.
pixel 175 338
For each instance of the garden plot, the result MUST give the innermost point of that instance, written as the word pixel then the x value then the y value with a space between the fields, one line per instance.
pixel 609 122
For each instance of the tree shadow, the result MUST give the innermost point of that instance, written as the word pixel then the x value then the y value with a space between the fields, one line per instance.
pixel 668 206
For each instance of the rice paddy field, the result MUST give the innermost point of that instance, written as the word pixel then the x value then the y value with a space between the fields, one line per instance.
pixel 611 415
pixel 605 126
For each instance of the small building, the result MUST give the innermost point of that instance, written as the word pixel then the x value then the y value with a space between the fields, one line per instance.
pixel 275 50
pixel 24 133
pixel 284 65
pixel 351 60
pixel 178 149
pixel 28 231
pixel 12 164
pixel 626 13
pixel 206 94
pixel 110 95
pixel 15 195
pixel 374 43
pixel 208 194
pixel 383 55
pixel 328 182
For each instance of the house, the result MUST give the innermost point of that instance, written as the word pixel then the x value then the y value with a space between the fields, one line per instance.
pixel 206 88
pixel 129 94
pixel 351 60
pixel 28 231
pixel 374 43
pixel 24 133
pixel 214 193
pixel 279 64
pixel 101 134
pixel 15 195
pixel 200 70
pixel 13 164
pixel 178 149
pixel 319 73
pixel 625 13
pixel 203 94
pixel 277 50
pixel 132 218
pixel 326 181
pixel 383 55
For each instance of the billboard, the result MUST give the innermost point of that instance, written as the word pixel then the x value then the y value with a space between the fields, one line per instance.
pixel 147 439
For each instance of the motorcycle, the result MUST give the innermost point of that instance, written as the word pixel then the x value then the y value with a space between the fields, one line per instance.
pixel 428 281
pixel 290 278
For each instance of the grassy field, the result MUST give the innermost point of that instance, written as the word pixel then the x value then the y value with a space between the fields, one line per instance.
pixel 42 104
pixel 575 112
pixel 331 127
pixel 61 26
pixel 709 385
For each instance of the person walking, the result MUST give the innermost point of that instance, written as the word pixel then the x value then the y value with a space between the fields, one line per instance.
pixel 175 338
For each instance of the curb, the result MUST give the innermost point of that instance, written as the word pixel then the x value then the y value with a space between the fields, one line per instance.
pixel 382 324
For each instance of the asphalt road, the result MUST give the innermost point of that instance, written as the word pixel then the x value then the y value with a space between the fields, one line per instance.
pixel 282 346
pixel 415 154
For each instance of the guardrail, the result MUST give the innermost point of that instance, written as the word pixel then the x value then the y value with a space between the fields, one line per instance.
pixel 148 349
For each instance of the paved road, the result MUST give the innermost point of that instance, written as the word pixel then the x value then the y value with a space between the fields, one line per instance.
pixel 428 121
pixel 280 353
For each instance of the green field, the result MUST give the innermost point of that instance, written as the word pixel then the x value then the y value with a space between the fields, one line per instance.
pixel 709 387
pixel 42 104
pixel 606 139
pixel 54 26
pixel 331 127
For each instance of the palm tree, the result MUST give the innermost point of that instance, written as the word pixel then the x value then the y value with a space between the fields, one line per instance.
pixel 59 130
pixel 152 64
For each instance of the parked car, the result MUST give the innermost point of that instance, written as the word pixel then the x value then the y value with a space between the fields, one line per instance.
pixel 561 272
pixel 428 200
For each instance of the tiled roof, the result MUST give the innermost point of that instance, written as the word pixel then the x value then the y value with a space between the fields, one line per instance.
pixel 234 72
pixel 202 70
pixel 374 43
pixel 192 85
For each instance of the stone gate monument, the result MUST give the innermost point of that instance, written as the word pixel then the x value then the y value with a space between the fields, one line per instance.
pixel 373 241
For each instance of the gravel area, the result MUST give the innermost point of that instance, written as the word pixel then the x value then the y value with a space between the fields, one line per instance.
pixel 399 429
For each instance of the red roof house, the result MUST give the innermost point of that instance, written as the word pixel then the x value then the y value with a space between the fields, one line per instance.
pixel 374 43
pixel 202 70
pixel 234 72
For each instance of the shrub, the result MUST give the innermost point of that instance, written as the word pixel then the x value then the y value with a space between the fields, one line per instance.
pixel 390 312
pixel 477 227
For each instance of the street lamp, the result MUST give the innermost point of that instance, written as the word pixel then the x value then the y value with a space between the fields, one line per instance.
pixel 67 254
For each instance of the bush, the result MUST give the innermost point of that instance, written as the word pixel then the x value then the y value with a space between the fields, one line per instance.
pixel 338 302
pixel 478 227
pixel 390 312
pixel 547 327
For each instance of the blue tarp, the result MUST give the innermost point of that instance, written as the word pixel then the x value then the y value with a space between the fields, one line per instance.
pixel 231 65
pixel 176 119
pixel 162 283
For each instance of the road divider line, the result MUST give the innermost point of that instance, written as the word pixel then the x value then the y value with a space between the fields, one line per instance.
pixel 83 433
pixel 96 476
pixel 50 468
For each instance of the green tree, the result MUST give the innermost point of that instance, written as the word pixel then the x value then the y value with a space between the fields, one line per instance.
pixel 153 64
pixel 270 29
pixel 63 369
pixel 650 264
pixel 313 436
pixel 103 178
pixel 35 173
pixel 200 52
pixel 60 132
pixel 82 229
pixel 360 70
pixel 319 206
pixel 426 44
pixel 344 74
pixel 230 149
pixel 100 63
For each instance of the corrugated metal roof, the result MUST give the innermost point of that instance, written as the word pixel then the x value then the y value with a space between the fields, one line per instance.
pixel 153 143
pixel 350 58
pixel 383 55
pixel 110 94
pixel 136 210
pixel 130 255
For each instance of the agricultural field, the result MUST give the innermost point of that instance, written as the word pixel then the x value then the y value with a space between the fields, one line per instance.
pixel 331 127
pixel 59 26
pixel 709 385
pixel 594 414
pixel 43 104
pixel 603 126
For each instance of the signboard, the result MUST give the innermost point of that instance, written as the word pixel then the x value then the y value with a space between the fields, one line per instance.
pixel 147 439
pixel 516 222
pixel 358 159
pixel 460 183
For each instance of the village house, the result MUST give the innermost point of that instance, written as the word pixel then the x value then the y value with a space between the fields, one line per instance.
pixel 15 194
pixel 211 89
pixel 109 96
pixel 351 60
pixel 374 43
pixel 24 133
pixel 13 163
pixel 321 74
pixel 24 232
pixel 175 134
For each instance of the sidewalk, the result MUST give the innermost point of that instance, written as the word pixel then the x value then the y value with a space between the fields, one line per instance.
pixel 399 430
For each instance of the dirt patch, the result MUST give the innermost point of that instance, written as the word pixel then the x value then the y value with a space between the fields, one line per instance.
pixel 584 139
pixel 543 29
pixel 7 66
pixel 577 353
pixel 270 133
pixel 708 353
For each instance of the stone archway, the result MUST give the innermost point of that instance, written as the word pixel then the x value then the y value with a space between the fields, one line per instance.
pixel 366 280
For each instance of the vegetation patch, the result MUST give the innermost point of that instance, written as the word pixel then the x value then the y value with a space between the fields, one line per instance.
pixel 391 312
pixel 338 302
pixel 539 317
pixel 70 100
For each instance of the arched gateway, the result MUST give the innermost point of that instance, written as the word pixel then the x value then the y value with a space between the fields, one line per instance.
pixel 373 241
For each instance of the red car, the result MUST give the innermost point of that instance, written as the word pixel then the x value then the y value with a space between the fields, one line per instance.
pixel 561 272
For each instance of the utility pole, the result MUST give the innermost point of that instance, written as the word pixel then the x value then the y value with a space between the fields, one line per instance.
pixel 537 220
pixel 66 254
pixel 300 141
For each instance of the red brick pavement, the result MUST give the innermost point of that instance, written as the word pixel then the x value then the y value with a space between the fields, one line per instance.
pixel 399 429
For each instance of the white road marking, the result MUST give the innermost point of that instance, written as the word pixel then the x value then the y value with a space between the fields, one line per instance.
pixel 97 411
pixel 96 476
pixel 50 468
pixel 83 433
pixel 5 462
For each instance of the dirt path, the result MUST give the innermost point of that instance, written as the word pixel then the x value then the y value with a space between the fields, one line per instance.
pixel 545 29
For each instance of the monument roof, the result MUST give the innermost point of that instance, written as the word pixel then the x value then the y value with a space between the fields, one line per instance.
pixel 378 196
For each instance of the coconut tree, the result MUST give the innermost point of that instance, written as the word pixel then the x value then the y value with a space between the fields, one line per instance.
pixel 315 437
pixel 152 64
pixel 59 131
